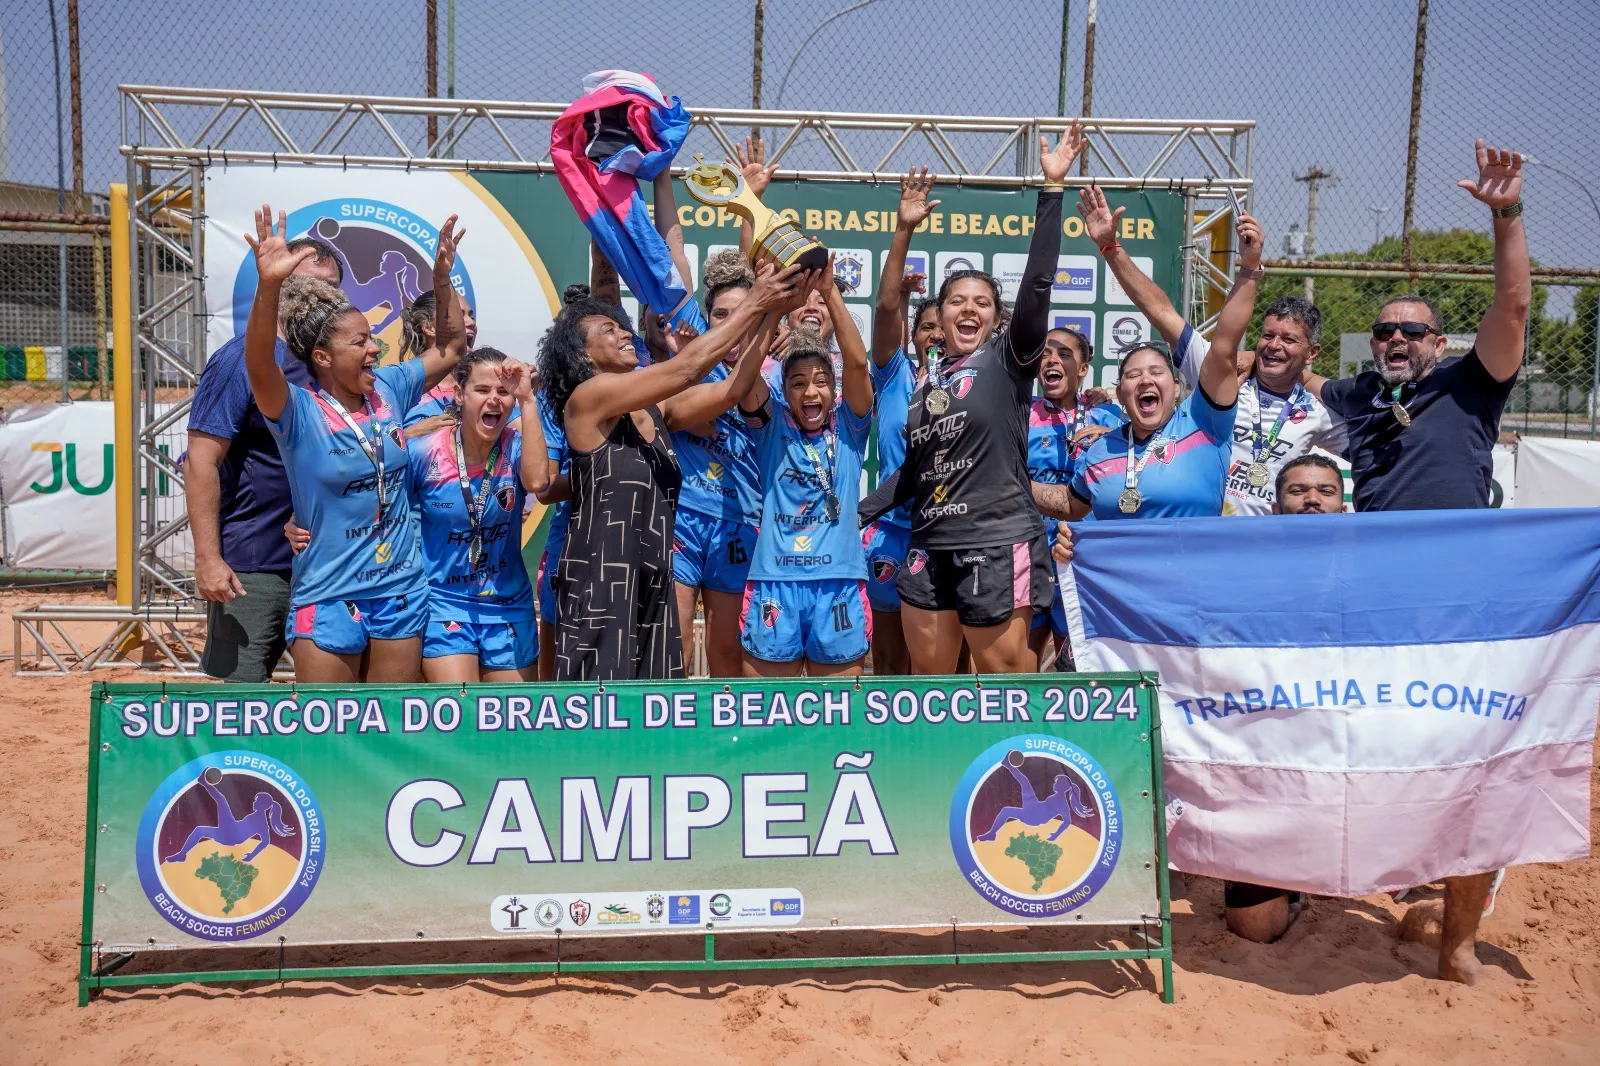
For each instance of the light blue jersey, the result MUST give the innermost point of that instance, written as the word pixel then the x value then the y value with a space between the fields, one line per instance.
pixel 1184 479
pixel 436 401
pixel 1052 460
pixel 797 541
pixel 497 590
pixel 720 476
pixel 334 486
pixel 892 385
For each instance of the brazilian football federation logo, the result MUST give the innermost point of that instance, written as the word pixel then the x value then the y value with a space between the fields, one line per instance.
pixel 1036 826
pixel 230 846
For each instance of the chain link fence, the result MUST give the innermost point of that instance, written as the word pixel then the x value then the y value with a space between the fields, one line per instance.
pixel 1347 170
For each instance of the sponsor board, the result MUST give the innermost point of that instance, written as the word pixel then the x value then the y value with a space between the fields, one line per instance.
pixel 656 911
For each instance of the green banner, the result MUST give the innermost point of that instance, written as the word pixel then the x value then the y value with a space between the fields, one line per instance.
pixel 982 228
pixel 230 814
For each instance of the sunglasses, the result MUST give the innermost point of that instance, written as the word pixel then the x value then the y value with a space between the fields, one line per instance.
pixel 1412 331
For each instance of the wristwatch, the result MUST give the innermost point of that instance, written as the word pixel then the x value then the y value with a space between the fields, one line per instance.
pixel 1253 274
pixel 1509 211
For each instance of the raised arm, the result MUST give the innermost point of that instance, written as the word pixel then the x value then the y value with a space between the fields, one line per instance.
pixel 604 284
pixel 857 383
pixel 1219 378
pixel 889 316
pixel 274 263
pixel 1502 330
pixel 1030 318
pixel 522 381
pixel 607 396
pixel 449 329
pixel 701 404
pixel 757 176
pixel 670 226
pixel 1100 223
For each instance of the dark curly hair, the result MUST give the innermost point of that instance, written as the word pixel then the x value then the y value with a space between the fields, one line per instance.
pixel 307 309
pixel 413 342
pixel 563 361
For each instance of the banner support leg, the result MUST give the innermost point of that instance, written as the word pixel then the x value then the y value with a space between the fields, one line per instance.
pixel 711 947
pixel 1159 796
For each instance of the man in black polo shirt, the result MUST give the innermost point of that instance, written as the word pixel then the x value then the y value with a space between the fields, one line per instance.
pixel 238 500
pixel 1422 434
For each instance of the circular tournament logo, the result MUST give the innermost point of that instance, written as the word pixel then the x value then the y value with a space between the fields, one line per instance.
pixel 387 256
pixel 230 846
pixel 1035 826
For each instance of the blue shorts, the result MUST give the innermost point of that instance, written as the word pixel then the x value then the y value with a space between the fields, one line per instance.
pixel 1055 617
pixel 543 591
pixel 885 545
pixel 497 645
pixel 825 620
pixel 711 553
pixel 345 627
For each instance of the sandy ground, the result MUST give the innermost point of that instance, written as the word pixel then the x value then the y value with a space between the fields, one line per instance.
pixel 1338 988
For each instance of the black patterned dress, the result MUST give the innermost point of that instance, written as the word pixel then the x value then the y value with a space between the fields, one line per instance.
pixel 616 602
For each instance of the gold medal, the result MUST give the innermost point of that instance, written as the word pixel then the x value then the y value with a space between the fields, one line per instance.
pixel 1401 415
pixel 1259 475
pixel 938 401
pixel 1129 501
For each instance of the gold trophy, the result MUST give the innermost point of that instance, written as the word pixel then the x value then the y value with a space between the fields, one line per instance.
pixel 776 238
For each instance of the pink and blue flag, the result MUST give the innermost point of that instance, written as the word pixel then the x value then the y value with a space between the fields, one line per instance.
pixel 621 131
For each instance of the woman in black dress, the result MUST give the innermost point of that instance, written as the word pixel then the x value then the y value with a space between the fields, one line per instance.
pixel 617 608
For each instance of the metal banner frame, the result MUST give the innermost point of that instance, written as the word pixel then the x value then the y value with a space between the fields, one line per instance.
pixel 99 965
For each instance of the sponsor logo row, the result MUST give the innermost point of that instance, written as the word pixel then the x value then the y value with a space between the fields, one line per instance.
pixel 645 911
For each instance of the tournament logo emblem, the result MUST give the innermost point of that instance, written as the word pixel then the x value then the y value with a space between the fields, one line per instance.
pixel 579 909
pixel 230 846
pixel 961 382
pixel 1036 826
pixel 916 559
pixel 884 570
pixel 769 614
pixel 547 913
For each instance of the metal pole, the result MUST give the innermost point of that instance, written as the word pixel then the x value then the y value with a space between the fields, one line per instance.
pixel 1417 63
pixel 61 205
pixel 76 124
pixel 1594 394
pixel 431 14
pixel 758 36
pixel 450 49
pixel 1088 76
pixel 1061 77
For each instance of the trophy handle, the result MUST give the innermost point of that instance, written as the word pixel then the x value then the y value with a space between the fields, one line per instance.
pixel 713 184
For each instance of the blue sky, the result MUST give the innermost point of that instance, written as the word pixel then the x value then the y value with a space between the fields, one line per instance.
pixel 1327 83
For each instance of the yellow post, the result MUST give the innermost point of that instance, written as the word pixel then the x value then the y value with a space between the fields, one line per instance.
pixel 122 389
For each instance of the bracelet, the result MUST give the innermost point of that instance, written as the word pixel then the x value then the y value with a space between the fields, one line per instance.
pixel 1105 249
pixel 1055 186
pixel 1509 211
pixel 1253 274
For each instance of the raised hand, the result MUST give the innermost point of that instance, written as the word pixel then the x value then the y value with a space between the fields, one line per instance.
pixel 780 340
pixel 444 257
pixel 914 203
pixel 1099 221
pixel 1096 396
pixel 753 164
pixel 1055 163
pixel 678 337
pixel 1250 243
pixel 780 290
pixel 519 378
pixel 1499 181
pixel 274 260
pixel 914 280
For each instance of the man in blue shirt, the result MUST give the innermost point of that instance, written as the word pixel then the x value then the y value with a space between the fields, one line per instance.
pixel 238 501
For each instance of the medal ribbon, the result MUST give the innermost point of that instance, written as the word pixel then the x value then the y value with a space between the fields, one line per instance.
pixel 1394 397
pixel 824 471
pixel 1259 448
pixel 936 379
pixel 374 456
pixel 1157 444
pixel 475 506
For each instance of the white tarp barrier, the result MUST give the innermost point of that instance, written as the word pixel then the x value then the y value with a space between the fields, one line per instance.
pixel 1552 472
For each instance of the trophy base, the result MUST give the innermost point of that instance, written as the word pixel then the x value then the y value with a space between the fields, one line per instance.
pixel 786 244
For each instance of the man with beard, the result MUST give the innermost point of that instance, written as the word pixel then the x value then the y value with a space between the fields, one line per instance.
pixel 1278 420
pixel 1311 484
pixel 1422 434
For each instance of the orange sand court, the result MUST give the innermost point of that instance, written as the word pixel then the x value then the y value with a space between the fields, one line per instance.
pixel 1339 988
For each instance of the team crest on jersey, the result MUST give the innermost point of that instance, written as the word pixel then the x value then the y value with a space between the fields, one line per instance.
pixel 916 559
pixel 961 382
pixel 355 612
pixel 506 497
pixel 452 627
pixel 398 435
pixel 884 570
pixel 1298 415
pixel 769 614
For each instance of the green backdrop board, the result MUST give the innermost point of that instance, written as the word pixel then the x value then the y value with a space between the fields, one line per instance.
pixel 982 228
pixel 259 816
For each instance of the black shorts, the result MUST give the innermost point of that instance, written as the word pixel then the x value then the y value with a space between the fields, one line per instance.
pixel 982 585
